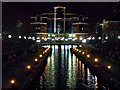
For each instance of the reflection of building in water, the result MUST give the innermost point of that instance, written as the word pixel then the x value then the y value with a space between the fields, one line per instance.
pixel 59 21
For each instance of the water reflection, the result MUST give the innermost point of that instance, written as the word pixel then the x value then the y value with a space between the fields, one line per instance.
pixel 64 70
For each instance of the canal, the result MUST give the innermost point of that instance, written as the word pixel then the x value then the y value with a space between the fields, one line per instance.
pixel 64 70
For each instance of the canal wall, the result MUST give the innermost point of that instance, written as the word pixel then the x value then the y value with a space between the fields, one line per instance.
pixel 40 66
pixel 100 70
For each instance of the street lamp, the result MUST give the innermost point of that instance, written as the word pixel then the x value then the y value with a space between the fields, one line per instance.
pixel 12 83
pixel 88 55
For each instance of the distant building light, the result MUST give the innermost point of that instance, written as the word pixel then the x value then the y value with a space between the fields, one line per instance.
pixel 38 41
pixel 93 38
pixel 53 35
pixel 9 36
pixel 118 37
pixel 74 35
pixel 19 37
pixel 80 45
pixel 70 35
pixel 29 38
pixel 42 38
pixel 48 38
pixel 24 37
pixel 38 37
pixel 81 28
pixel 89 38
pixel 99 38
pixel 81 38
pixel 48 35
pixel 106 37
pixel 62 39
pixel 33 37
pixel 66 39
pixel 53 39
pixel 45 39
pixel 84 41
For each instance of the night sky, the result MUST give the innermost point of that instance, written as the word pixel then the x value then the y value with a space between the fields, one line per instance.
pixel 95 11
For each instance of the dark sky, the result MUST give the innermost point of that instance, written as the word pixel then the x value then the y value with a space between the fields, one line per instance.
pixel 95 11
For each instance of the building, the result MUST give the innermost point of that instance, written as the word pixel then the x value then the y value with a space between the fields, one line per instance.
pixel 59 21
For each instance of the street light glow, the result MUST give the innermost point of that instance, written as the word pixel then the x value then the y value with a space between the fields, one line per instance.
pixel 40 55
pixel 106 37
pixel 36 60
pixel 96 60
pixel 12 81
pixel 19 37
pixel 88 55
pixel 109 67
pixel 93 38
pixel 84 41
pixel 28 67
pixel 83 52
pixel 9 36
pixel 99 38
pixel 24 37
pixel 80 38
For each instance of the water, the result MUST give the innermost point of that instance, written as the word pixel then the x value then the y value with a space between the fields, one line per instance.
pixel 64 70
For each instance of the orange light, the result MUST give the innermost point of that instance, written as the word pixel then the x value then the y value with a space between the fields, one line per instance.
pixel 40 55
pixel 12 81
pixel 77 49
pixel 80 51
pixel 109 67
pixel 28 67
pixel 96 60
pixel 45 50
pixel 88 55
pixel 83 52
pixel 36 60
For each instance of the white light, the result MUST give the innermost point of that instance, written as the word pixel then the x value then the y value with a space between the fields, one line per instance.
pixel 24 37
pixel 38 41
pixel 73 39
pixel 99 38
pixel 89 38
pixel 48 35
pixel 69 38
pixel 80 38
pixel 56 38
pixel 66 39
pixel 53 35
pixel 62 39
pixel 29 37
pixel 118 37
pixel 9 36
pixel 19 37
pixel 93 38
pixel 74 35
pixel 84 41
pixel 38 37
pixel 42 37
pixel 45 39
pixel 53 39
pixel 49 38
pixel 80 45
pixel 33 37
pixel 106 37
pixel 70 35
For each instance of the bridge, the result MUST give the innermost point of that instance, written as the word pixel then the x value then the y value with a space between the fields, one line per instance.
pixel 62 39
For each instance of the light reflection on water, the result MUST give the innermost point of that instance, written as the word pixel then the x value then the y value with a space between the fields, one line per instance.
pixel 64 70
